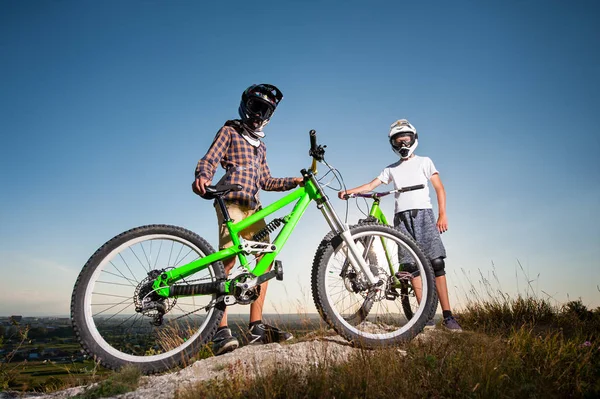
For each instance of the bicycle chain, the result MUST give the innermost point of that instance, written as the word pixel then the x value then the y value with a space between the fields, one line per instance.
pixel 210 304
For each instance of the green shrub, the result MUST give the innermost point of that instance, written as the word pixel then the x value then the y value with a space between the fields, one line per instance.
pixel 126 380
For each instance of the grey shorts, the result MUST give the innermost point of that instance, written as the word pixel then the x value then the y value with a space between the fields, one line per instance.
pixel 420 224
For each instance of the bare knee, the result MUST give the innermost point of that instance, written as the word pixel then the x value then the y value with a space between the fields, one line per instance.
pixel 228 264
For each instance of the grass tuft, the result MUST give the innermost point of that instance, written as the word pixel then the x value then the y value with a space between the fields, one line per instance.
pixel 515 348
pixel 123 381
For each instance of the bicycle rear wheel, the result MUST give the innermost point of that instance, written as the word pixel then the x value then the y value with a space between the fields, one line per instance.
pixel 340 292
pixel 117 319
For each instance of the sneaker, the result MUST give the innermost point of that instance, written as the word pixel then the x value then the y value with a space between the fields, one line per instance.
pixel 430 324
pixel 265 334
pixel 224 342
pixel 451 324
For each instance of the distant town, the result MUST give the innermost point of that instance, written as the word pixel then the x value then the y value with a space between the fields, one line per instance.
pixel 52 339
pixel 38 339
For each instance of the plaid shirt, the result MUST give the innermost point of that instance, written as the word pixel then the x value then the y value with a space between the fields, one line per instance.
pixel 249 164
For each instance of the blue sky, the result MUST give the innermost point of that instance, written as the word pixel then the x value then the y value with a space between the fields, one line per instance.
pixel 105 108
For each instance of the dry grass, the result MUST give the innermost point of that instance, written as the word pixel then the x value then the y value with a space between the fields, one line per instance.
pixel 123 381
pixel 513 347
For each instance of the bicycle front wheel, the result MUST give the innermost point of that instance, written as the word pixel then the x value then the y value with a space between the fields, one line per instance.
pixel 117 319
pixel 341 293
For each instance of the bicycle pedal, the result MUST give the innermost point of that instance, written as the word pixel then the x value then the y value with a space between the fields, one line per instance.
pixel 229 300
pixel 266 277
pixel 391 294
pixel 278 266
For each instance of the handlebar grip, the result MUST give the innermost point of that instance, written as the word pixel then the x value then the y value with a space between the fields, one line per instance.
pixel 411 188
pixel 313 140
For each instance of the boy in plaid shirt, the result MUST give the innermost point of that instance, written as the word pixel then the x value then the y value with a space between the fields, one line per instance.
pixel 240 151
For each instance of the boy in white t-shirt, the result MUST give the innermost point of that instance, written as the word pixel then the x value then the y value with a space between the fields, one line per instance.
pixel 413 211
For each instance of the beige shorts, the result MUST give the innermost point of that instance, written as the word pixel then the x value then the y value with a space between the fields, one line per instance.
pixel 237 213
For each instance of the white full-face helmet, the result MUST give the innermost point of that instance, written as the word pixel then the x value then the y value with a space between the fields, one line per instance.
pixel 400 129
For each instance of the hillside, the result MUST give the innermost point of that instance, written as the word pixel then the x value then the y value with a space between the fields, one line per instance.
pixel 247 360
pixel 517 347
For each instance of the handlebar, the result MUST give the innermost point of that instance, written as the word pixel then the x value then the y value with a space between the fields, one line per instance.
pixel 384 193
pixel 317 152
pixel 313 140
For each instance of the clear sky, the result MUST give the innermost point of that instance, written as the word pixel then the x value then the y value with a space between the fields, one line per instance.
pixel 106 106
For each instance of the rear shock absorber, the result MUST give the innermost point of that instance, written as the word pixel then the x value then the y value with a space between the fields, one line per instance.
pixel 269 228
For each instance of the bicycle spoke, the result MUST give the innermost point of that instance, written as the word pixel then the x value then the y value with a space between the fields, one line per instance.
pixel 111 283
pixel 113 295
pixel 131 321
pixel 158 254
pixel 170 253
pixel 177 257
pixel 121 275
pixel 372 311
pixel 177 262
pixel 127 264
pixel 111 317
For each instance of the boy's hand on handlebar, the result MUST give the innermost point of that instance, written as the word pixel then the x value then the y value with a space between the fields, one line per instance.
pixel 442 224
pixel 198 186
pixel 343 195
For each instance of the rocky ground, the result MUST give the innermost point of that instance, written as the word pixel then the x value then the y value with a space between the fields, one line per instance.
pixel 247 359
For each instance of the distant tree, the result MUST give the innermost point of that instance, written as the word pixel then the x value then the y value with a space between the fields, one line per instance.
pixel 62 332
pixel 37 332
pixel 12 332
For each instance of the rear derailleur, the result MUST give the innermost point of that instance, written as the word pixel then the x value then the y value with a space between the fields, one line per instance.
pixel 148 302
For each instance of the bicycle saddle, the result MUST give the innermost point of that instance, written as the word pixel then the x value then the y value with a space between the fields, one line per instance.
pixel 220 190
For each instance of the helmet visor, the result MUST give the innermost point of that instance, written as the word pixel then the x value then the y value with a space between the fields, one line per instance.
pixel 259 109
pixel 403 140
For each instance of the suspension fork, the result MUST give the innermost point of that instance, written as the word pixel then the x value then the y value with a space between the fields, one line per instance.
pixel 338 227
pixel 378 214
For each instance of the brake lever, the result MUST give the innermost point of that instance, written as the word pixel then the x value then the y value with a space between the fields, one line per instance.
pixel 318 153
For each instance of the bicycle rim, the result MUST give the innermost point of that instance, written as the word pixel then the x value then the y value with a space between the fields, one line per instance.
pixel 119 283
pixel 386 319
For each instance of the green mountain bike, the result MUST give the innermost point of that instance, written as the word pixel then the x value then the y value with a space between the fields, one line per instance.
pixel 403 282
pixel 154 295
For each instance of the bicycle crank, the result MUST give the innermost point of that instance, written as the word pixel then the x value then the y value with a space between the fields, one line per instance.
pixel 246 287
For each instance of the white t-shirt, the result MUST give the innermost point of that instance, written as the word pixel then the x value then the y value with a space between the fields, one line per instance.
pixel 414 171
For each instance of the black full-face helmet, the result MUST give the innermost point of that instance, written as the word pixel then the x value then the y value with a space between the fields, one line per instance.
pixel 258 104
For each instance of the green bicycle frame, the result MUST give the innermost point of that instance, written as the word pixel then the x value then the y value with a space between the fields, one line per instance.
pixel 377 213
pixel 302 195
